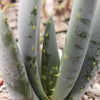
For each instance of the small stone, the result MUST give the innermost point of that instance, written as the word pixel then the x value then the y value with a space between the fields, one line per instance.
pixel 85 97
pixel 60 39
pixel 90 99
pixel 98 98
pixel 59 28
pixel 96 86
pixel 3 87
pixel 0 89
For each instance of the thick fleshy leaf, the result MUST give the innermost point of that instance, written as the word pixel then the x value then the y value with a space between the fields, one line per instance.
pixel 50 58
pixel 11 64
pixel 76 46
pixel 28 35
pixel 92 60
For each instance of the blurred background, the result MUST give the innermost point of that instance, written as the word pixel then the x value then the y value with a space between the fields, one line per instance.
pixel 61 11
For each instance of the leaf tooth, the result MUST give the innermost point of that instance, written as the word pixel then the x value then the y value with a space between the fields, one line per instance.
pixel 21 79
pixel 10 34
pixel 17 63
pixel 78 16
pixel 41 49
pixel 81 90
pixel 36 81
pixel 34 27
pixel 89 78
pixel 44 51
pixel 50 83
pixel 52 89
pixel 94 63
pixel 51 14
pixel 5 20
pixel 14 48
pixel 33 48
pixel 65 56
pixel 49 21
pixel 33 66
pixel 72 99
pixel 57 75
pixel 35 8
pixel 44 77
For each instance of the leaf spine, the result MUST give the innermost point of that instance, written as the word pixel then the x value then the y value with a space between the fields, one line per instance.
pixel 52 89
pixel 17 63
pixel 65 57
pixel 57 75
pixel 78 15
pixel 82 90
pixel 21 79
pixel 35 8
pixel 33 48
pixel 46 35
pixel 44 51
pixel 34 27
pixel 49 21
pixel 94 63
pixel 88 78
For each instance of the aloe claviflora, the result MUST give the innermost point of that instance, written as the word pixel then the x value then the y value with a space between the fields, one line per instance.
pixel 12 65
pixel 28 76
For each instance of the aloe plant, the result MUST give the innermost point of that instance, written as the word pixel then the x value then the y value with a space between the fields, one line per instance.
pixel 28 76
pixel 91 63
pixel 12 65
pixel 50 58
pixel 75 49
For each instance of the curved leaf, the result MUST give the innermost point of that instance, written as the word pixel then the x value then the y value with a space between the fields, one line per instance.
pixel 28 35
pixel 76 46
pixel 91 62
pixel 11 64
